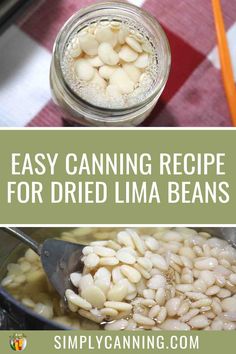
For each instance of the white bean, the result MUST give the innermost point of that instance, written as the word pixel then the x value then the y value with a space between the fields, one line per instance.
pixel 117 275
pixel 172 235
pixel 77 300
pixel 154 311
pixel 190 314
pixel 224 293
pixel 130 286
pixel 229 316
pixel 84 70
pixel 159 262
pixel 125 257
pixel 99 243
pixel 31 256
pixel 87 250
pixel 103 274
pixel 150 242
pixel 115 25
pixel 132 43
pixel 102 279
pixel 138 242
pixel 127 54
pixel 221 271
pixel 194 295
pixel 124 238
pixel 90 316
pixel 7 280
pixel 94 295
pixel 91 261
pixel 232 278
pixel 118 292
pixel 162 315
pixel 200 285
pixel 174 325
pixel 208 277
pixel 107 54
pixel 114 92
pixel 142 61
pixel 25 266
pixel 122 34
pixel 106 71
pixel 172 306
pixel 229 304
pixel 183 288
pixel 108 261
pixel 145 263
pixel 229 326
pixel 74 48
pixel 216 307
pixel 120 79
pixel 88 44
pixel 116 325
pixel 114 245
pixel 187 252
pixel 95 61
pixel 117 305
pixel 160 296
pixel 132 274
pixel 132 325
pixel 213 290
pixel 133 73
pixel 186 262
pixel 105 34
pixel 72 307
pixel 143 320
pixel 85 281
pixel 199 321
pixel 104 251
pixel 75 278
pixel 201 303
pixel 98 81
pixel 184 308
pixel 106 311
pixel 44 310
pixel 149 293
pixel 156 282
pixel 217 325
pixel 206 263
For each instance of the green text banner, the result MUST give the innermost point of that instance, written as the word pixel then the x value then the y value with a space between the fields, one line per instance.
pixel 139 176
pixel 52 342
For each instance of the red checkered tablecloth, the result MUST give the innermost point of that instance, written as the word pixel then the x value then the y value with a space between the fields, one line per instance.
pixel 194 95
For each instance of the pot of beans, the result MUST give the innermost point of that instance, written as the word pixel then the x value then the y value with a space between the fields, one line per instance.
pixel 132 278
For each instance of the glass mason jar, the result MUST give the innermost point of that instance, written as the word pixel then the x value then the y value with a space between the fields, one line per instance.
pixel 82 112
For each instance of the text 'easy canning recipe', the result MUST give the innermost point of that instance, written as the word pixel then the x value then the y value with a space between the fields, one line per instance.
pixel 123 178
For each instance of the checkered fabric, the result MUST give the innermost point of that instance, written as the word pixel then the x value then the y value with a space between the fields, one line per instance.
pixel 194 95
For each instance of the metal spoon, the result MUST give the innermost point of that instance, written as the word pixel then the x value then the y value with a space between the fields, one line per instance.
pixel 59 258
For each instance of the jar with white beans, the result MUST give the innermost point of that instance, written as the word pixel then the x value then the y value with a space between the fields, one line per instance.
pixel 110 64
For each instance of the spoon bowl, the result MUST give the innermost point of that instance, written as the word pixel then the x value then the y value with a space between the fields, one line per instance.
pixel 59 258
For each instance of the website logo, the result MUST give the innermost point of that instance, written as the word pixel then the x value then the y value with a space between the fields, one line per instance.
pixel 18 342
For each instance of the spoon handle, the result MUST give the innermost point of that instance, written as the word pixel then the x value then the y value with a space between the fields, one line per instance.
pixel 20 235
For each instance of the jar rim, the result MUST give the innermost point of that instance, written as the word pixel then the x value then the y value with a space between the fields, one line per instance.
pixel 71 23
